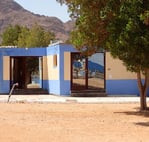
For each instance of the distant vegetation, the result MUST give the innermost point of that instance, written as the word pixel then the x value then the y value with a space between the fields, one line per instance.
pixel 21 36
pixel 121 26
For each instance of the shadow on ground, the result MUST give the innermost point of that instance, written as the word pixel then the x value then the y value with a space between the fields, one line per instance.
pixel 138 112
pixel 145 124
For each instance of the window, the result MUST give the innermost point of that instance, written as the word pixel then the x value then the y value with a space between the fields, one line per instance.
pixel 54 60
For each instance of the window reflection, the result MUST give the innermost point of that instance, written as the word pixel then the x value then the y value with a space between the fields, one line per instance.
pixel 96 71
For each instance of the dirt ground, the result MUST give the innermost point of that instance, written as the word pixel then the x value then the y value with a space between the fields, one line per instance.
pixel 73 122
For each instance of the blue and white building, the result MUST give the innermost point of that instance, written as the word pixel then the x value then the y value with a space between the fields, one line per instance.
pixel 61 69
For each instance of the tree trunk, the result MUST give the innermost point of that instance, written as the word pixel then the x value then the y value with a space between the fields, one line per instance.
pixel 143 87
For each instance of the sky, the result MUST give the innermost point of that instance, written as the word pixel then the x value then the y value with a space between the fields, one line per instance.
pixel 46 7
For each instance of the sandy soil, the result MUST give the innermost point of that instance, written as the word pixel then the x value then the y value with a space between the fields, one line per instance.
pixel 73 122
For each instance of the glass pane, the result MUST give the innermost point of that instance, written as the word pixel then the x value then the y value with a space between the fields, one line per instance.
pixel 96 71
pixel 78 71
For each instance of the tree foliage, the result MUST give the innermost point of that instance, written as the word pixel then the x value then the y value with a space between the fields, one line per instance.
pixel 123 25
pixel 24 37
pixel 91 24
pixel 129 40
pixel 145 17
pixel 10 35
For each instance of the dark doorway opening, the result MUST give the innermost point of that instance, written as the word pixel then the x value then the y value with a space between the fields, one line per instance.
pixel 26 71
pixel 88 73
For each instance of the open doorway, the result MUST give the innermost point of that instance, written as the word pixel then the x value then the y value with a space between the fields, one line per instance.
pixel 88 73
pixel 26 71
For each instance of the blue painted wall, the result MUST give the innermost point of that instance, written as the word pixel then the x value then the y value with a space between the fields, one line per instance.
pixel 5 87
pixel 61 86
pixel 23 51
pixel 1 72
pixel 125 87
pixel 53 86
pixel 45 85
pixel 122 87
pixel 5 84
pixel 65 85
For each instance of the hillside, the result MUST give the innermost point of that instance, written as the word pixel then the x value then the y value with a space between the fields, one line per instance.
pixel 12 13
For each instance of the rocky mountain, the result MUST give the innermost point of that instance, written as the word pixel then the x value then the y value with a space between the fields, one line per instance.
pixel 12 13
